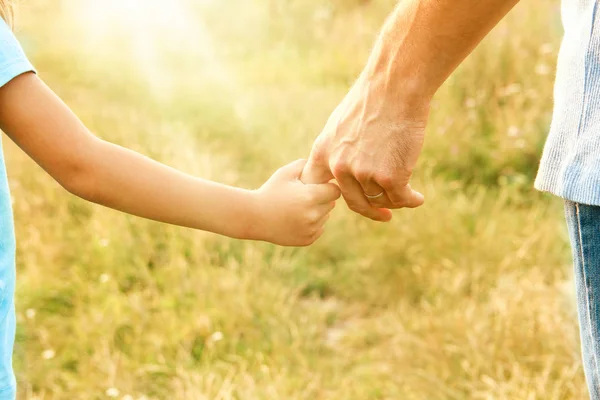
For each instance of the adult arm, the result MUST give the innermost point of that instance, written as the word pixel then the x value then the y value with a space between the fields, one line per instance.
pixel 372 140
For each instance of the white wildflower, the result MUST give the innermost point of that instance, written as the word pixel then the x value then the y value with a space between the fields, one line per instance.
pixel 216 337
pixel 514 131
pixel 470 103
pixel 333 337
pixel 542 69
pixel 513 88
pixel 547 48
pixel 112 392
pixel 48 354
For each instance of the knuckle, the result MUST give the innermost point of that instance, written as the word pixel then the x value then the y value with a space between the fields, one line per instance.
pixel 362 174
pixel 314 216
pixel 319 154
pixel 385 179
pixel 279 172
pixel 404 174
pixel 339 168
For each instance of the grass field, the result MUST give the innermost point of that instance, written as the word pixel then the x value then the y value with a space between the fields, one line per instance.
pixel 468 297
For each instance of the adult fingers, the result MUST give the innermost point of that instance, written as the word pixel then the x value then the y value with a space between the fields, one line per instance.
pixel 371 188
pixel 404 196
pixel 357 202
pixel 398 192
pixel 375 194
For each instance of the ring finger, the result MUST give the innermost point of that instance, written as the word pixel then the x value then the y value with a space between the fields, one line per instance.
pixel 375 194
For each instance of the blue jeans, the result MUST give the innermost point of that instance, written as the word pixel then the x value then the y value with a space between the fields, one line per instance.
pixel 584 231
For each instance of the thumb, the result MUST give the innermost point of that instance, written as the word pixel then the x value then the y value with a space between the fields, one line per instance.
pixel 314 173
pixel 291 171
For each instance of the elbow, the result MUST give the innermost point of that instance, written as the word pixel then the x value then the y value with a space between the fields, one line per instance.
pixel 77 175
pixel 78 180
pixel 78 183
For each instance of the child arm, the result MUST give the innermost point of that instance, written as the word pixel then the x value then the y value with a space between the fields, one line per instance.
pixel 283 211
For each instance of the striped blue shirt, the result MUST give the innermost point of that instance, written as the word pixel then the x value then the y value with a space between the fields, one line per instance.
pixel 570 166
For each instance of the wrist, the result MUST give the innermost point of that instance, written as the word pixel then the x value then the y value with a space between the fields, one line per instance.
pixel 253 225
pixel 401 96
pixel 397 69
pixel 399 84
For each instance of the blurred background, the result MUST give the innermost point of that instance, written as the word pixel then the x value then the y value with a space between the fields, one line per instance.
pixel 468 297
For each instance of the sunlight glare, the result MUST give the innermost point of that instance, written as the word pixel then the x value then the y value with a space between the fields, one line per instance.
pixel 146 28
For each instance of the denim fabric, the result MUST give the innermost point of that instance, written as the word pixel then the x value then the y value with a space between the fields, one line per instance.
pixel 584 230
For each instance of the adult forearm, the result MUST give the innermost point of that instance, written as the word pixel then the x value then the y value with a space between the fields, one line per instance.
pixel 372 140
pixel 127 181
pixel 423 41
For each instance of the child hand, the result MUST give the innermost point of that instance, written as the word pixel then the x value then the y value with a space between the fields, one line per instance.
pixel 291 213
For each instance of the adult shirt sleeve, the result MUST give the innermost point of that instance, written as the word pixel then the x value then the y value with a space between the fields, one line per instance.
pixel 13 61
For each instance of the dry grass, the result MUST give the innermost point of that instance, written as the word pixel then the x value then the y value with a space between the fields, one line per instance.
pixel 468 297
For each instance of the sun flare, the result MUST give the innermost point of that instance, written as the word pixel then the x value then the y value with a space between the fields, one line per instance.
pixel 146 30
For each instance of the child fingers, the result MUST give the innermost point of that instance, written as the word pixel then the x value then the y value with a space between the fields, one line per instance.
pixel 328 207
pixel 318 214
pixel 317 235
pixel 315 173
pixel 317 228
pixel 326 192
pixel 292 171
pixel 323 220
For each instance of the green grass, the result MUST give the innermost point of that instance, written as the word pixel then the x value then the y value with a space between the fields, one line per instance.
pixel 468 297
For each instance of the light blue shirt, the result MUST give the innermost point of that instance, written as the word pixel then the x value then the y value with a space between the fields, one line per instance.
pixel 13 62
pixel 570 166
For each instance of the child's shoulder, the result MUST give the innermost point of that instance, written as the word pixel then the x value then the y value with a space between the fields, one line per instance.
pixel 13 60
pixel 6 33
pixel 9 45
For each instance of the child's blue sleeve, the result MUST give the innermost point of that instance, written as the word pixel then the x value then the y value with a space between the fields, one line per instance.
pixel 13 61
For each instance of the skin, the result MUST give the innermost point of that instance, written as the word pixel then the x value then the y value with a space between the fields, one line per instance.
pixel 373 139
pixel 283 211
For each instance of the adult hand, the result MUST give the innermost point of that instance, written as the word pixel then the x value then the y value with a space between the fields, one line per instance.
pixel 370 145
